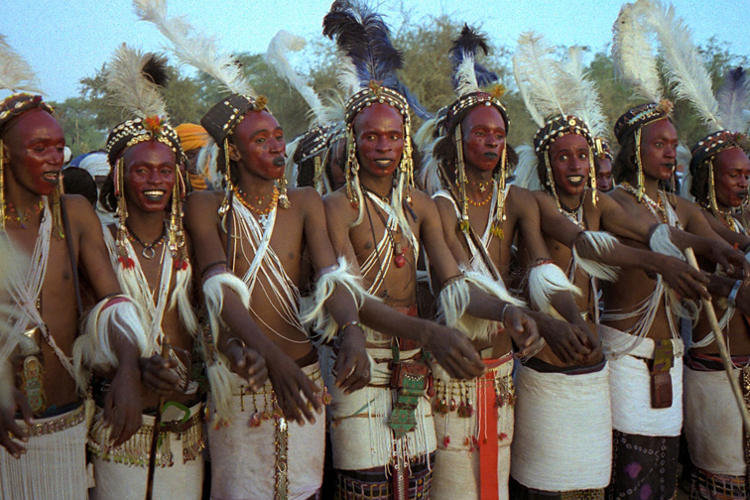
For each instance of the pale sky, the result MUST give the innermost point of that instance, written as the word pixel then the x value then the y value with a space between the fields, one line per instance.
pixel 65 41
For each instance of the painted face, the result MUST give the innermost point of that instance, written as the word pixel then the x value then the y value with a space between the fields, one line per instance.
pixel 34 144
pixel 260 146
pixel 659 149
pixel 379 133
pixel 604 174
pixel 731 174
pixel 149 176
pixel 569 159
pixel 483 137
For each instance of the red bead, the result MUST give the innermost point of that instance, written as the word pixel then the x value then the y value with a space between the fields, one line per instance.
pixel 453 405
pixel 503 436
pixel 255 420
pixel 446 441
pixel 399 260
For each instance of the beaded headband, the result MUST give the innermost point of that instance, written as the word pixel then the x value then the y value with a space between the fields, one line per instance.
pixel 602 149
pixel 18 104
pixel 557 126
pixel 137 130
pixel 376 93
pixel 221 120
pixel 469 101
pixel 639 116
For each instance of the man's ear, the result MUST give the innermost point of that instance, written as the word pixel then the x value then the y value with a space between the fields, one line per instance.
pixel 234 154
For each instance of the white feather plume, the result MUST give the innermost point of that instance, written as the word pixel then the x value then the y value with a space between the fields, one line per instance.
pixel 588 105
pixel 526 175
pixel 131 89
pixel 632 54
pixel 536 72
pixel 684 67
pixel 466 76
pixel 347 74
pixel 276 56
pixel 15 73
pixel 194 48
pixel 734 101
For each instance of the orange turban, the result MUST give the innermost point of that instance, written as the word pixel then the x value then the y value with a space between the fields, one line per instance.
pixel 192 136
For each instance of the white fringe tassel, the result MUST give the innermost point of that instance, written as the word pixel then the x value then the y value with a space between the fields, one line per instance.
pixel 183 279
pixel 93 348
pixel 546 280
pixel 661 242
pixel 600 242
pixel 315 314
pixel 217 369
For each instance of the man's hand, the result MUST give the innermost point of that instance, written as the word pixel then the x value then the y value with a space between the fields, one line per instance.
pixel 158 375
pixel 9 428
pixel 453 350
pixel 572 343
pixel 523 331
pixel 288 382
pixel 247 363
pixel 731 259
pixel 123 405
pixel 352 367
pixel 687 282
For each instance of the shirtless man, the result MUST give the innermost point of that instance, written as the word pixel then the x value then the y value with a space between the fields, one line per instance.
pixel 252 144
pixel 639 330
pixel 603 162
pixel 149 251
pixel 720 171
pixel 62 235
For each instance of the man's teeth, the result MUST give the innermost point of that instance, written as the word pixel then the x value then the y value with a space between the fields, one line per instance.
pixel 575 178
pixel 154 193
pixel 383 163
pixel 51 176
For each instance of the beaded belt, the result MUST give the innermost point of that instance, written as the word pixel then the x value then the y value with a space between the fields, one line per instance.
pixel 58 423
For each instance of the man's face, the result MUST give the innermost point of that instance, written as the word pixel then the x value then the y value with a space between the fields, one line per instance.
pixel 336 158
pixel 259 144
pixel 569 159
pixel 731 174
pixel 149 176
pixel 483 137
pixel 604 174
pixel 379 134
pixel 659 149
pixel 34 145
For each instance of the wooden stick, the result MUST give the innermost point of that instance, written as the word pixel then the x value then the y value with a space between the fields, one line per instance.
pixel 154 440
pixel 723 351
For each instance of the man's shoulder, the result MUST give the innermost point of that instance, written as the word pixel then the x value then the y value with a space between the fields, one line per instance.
pixel 78 209
pixel 303 195
pixel 204 199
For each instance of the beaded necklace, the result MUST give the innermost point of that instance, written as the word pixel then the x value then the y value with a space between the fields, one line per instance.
pixel 12 215
pixel 655 207
pixel 242 197
pixel 149 249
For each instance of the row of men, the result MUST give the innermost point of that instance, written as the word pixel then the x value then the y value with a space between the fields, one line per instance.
pixel 418 407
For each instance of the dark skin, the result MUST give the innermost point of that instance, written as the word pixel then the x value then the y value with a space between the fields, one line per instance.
pixel 658 152
pixel 483 139
pixel 379 135
pixel 604 179
pixel 731 179
pixel 257 145
pixel 34 142
pixel 149 179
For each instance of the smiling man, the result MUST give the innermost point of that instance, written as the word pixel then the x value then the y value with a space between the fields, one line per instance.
pixel 61 234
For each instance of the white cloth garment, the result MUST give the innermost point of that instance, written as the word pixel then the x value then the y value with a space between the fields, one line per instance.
pixel 630 387
pixel 54 466
pixel 713 425
pixel 183 479
pixel 360 435
pixel 456 468
pixel 563 434
pixel 243 458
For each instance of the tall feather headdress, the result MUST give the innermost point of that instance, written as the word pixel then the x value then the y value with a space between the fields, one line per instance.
pixel 556 95
pixel 15 73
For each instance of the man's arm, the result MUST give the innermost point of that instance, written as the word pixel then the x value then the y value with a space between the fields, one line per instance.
pixel 201 220
pixel 352 367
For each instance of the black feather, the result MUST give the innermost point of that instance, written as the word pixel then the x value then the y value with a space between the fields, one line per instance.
pixel 155 69
pixel 470 42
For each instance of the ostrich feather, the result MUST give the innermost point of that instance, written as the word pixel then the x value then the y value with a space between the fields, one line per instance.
pixel 15 73
pixel 468 76
pixel 684 67
pixel 526 171
pixel 633 56
pixel 276 56
pixel 134 78
pixel 365 49
pixel 536 72
pixel 583 91
pixel 733 98
pixel 194 48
